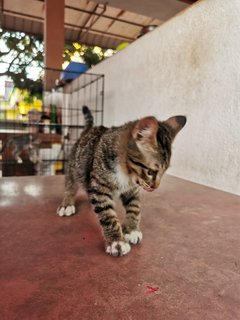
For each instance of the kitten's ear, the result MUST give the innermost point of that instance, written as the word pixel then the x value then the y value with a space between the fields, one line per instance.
pixel 175 124
pixel 146 129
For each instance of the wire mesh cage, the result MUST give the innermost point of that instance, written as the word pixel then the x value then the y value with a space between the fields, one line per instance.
pixel 36 136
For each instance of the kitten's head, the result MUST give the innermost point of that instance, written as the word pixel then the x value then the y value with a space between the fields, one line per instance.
pixel 149 149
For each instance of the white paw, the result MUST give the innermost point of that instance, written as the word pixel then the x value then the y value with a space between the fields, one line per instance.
pixel 134 237
pixel 66 211
pixel 118 248
pixel 19 160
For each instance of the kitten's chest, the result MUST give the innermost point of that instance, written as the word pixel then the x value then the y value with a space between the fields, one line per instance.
pixel 122 180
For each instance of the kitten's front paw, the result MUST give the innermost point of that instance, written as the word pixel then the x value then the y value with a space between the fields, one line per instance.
pixel 134 237
pixel 66 211
pixel 118 248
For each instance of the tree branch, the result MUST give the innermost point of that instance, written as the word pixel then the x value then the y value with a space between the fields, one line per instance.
pixel 4 53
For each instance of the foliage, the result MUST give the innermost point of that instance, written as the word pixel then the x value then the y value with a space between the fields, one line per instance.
pixel 91 55
pixel 22 55
pixel 21 59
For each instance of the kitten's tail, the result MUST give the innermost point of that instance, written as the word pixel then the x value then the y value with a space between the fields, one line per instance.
pixel 88 117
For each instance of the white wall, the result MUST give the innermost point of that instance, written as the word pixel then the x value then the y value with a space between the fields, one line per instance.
pixel 189 65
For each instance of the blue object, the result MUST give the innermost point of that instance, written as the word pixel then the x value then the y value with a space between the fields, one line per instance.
pixel 73 70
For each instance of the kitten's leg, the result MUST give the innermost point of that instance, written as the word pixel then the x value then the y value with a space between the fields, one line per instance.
pixel 19 160
pixel 67 207
pixel 130 226
pixel 16 154
pixel 101 198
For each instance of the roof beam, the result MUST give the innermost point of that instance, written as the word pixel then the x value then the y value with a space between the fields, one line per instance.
pixel 40 19
pixel 101 15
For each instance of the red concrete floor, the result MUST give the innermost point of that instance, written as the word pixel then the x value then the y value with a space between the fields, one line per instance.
pixel 187 267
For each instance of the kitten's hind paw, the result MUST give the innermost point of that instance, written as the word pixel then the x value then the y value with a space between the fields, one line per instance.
pixel 134 237
pixel 118 248
pixel 19 160
pixel 66 211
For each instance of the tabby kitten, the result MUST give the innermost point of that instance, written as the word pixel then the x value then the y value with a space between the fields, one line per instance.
pixel 119 161
pixel 21 143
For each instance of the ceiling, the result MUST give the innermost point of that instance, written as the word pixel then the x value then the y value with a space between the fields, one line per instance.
pixel 103 24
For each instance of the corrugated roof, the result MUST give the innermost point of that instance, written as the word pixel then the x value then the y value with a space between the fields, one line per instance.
pixel 87 22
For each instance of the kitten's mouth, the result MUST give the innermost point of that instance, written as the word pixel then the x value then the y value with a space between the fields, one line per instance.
pixel 148 189
pixel 145 186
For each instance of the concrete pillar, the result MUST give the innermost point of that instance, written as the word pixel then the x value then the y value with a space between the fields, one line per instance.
pixel 53 40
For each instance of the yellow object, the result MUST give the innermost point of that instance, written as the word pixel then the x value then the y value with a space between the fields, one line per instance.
pixel 18 108
pixel 12 114
pixel 122 46
pixel 25 107
pixel 58 166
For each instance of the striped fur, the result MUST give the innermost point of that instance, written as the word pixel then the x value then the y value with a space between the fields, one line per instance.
pixel 88 117
pixel 119 161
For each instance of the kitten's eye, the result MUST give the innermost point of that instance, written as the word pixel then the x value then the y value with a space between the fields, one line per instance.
pixel 152 172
